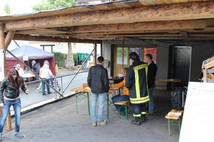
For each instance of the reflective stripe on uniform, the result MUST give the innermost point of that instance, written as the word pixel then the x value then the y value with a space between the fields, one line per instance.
pixel 137 84
pixel 137 115
pixel 143 113
pixel 140 100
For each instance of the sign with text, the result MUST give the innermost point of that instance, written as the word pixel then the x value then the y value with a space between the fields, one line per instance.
pixel 1 64
pixel 122 56
pixel 198 124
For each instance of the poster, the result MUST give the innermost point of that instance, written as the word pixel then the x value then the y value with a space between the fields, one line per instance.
pixel 152 51
pixel 1 65
pixel 197 123
pixel 138 51
pixel 122 55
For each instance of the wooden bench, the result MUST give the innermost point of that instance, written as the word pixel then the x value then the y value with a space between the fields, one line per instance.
pixel 174 118
pixel 122 104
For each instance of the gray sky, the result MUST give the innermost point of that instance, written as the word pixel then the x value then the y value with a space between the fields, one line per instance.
pixel 18 6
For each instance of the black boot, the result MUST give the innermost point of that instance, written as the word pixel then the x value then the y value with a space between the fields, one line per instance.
pixel 136 121
pixel 143 118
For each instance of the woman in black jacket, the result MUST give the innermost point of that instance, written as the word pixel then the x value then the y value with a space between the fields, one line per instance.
pixel 9 95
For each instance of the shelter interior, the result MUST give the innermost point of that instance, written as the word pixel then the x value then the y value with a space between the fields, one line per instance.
pixel 171 27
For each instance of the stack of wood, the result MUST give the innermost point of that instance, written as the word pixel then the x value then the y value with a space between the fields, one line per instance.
pixel 208 71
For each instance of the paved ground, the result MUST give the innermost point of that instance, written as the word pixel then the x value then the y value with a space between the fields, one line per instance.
pixel 58 122
pixel 35 96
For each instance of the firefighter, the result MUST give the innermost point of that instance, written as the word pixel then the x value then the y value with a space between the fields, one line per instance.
pixel 137 83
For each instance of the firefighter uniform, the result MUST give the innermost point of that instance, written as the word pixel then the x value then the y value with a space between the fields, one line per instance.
pixel 137 83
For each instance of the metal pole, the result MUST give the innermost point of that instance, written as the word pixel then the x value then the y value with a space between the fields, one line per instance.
pixel 61 95
pixel 79 70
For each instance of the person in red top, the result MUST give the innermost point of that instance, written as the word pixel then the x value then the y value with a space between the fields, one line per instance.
pixel 124 96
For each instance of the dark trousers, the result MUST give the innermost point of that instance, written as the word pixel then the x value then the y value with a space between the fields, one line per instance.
pixel 139 109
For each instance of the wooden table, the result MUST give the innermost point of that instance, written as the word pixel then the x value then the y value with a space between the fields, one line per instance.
pixel 87 90
pixel 81 91
pixel 172 81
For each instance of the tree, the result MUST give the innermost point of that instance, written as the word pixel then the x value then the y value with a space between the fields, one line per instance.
pixel 7 8
pixel 54 4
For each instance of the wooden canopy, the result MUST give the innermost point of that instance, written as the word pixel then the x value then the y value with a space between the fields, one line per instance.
pixel 143 19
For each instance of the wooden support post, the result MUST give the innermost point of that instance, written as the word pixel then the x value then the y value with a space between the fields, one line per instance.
pixel 95 54
pixel 4 43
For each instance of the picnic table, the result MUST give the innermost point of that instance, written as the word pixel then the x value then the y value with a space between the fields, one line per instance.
pixel 28 75
pixel 172 81
pixel 80 90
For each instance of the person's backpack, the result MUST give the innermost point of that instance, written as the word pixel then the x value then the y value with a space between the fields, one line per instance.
pixel 178 98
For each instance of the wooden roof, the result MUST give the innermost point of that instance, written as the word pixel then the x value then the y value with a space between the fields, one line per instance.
pixel 143 19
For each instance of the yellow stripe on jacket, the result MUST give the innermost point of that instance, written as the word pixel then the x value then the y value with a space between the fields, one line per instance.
pixel 121 85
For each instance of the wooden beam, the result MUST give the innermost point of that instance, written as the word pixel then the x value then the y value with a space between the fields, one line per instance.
pixel 52 39
pixel 181 11
pixel 3 46
pixel 184 34
pixel 2 37
pixel 147 26
pixel 95 54
pixel 8 38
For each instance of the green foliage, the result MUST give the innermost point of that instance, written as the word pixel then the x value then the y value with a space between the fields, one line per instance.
pixel 7 8
pixel 54 4
pixel 60 59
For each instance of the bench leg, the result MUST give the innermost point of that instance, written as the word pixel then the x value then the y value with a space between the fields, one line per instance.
pixel 126 112
pixel 126 109
pixel 179 125
pixel 169 131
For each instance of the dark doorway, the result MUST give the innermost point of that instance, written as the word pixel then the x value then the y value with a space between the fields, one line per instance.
pixel 180 63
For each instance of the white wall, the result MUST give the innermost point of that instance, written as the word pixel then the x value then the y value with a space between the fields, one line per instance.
pixel 106 53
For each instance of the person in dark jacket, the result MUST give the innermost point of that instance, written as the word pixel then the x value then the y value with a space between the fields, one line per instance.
pixel 152 71
pixel 99 83
pixel 36 67
pixel 10 87
pixel 137 83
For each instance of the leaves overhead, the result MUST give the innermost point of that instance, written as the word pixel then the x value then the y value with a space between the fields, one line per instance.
pixel 54 4
pixel 7 8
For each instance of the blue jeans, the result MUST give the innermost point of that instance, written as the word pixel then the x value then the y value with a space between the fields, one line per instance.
pixel 118 98
pixel 151 102
pixel 102 99
pixel 43 87
pixel 4 112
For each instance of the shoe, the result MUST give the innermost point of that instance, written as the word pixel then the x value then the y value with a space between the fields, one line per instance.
pixel 50 93
pixel 143 118
pixel 101 123
pixel 94 124
pixel 43 94
pixel 19 135
pixel 136 122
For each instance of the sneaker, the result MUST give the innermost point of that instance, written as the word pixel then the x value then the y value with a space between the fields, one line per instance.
pixel 136 122
pixel 94 124
pixel 19 135
pixel 50 93
pixel 101 123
